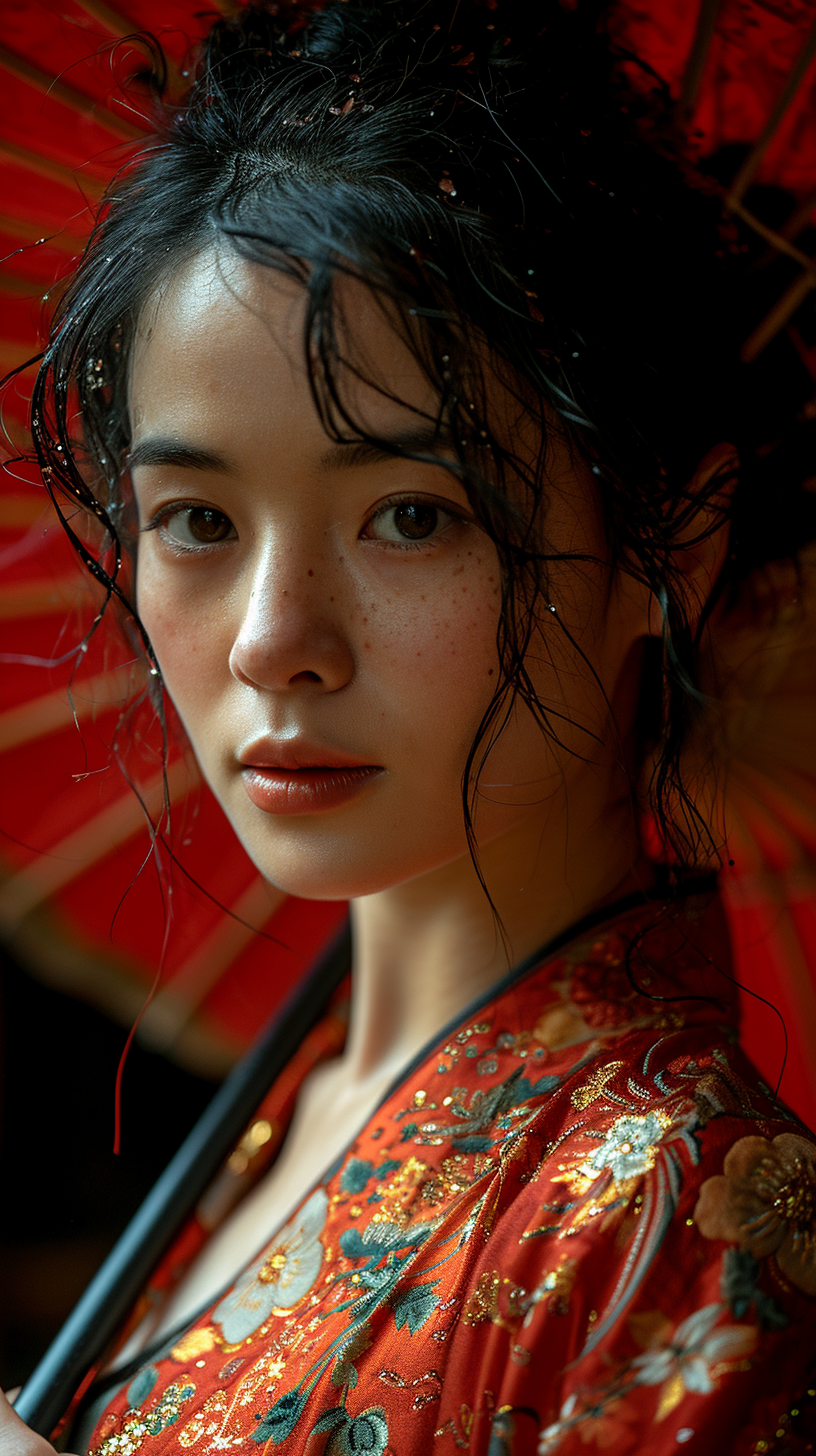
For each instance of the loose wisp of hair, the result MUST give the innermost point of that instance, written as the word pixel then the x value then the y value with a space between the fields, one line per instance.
pixel 515 194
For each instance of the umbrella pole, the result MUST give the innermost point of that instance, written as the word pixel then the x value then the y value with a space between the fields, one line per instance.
pixel 112 1292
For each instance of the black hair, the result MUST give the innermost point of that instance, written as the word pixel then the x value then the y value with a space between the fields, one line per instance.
pixel 519 192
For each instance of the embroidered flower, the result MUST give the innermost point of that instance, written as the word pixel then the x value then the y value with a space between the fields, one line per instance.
pixel 283 1273
pixel 366 1432
pixel 765 1201
pixel 602 1417
pixel 683 1361
pixel 628 1150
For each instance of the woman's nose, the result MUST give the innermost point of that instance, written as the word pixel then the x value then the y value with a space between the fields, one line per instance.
pixel 291 632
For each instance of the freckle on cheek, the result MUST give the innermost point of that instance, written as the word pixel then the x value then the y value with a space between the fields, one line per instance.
pixel 310 572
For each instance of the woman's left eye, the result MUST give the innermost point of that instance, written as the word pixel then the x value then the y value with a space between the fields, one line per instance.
pixel 197 526
pixel 406 523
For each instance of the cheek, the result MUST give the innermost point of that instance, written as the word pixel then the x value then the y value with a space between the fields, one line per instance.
pixel 190 639
pixel 438 644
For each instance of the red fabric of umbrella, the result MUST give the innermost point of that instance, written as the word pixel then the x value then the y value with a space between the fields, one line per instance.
pixel 75 845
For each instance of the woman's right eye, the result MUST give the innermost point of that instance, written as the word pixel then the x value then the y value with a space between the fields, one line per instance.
pixel 197 526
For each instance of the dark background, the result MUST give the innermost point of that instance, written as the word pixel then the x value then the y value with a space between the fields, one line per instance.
pixel 64 1197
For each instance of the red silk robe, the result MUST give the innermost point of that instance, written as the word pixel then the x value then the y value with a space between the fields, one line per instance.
pixel 579 1223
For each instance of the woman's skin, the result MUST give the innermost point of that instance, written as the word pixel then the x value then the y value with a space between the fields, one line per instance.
pixel 296 610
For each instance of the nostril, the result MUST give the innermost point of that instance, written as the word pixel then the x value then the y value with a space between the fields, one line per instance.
pixel 305 677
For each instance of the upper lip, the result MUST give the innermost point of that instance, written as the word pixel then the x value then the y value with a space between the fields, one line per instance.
pixel 294 753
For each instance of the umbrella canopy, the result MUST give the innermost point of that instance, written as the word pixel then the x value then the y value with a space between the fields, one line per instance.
pixel 80 894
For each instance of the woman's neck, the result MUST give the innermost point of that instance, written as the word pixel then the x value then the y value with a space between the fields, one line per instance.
pixel 424 950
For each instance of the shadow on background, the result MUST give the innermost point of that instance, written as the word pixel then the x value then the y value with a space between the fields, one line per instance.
pixel 64 1197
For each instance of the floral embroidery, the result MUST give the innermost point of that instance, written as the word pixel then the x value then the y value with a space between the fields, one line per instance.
pixel 137 1425
pixel 424 1299
pixel 684 1360
pixel 765 1201
pixel 280 1277
pixel 628 1150
pixel 352 1435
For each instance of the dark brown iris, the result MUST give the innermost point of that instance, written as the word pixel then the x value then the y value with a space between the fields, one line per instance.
pixel 415 521
pixel 207 526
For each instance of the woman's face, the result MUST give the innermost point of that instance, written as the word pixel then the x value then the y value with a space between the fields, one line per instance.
pixel 325 616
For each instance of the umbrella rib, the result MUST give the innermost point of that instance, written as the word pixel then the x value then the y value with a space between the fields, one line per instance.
pixel 69 96
pixel 55 171
pixel 176 1004
pixel 41 598
pixel 748 170
pixel 81 849
pixel 24 231
pixel 26 722
pixel 698 55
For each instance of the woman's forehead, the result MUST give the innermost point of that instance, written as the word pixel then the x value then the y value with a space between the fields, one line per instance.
pixel 220 308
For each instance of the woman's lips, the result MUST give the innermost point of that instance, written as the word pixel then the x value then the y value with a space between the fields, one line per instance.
pixel 306 790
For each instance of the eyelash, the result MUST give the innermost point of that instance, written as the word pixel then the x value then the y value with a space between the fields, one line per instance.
pixel 168 512
pixel 454 517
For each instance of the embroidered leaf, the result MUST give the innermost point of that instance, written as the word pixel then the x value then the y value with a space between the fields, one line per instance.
pixel 415 1307
pixel 281 1419
pixel 140 1388
pixel 351 1242
pixel 472 1144
pixel 355 1175
pixel 330 1420
pixel 389 1166
pixel 524 1088
pixel 386 1235
pixel 739 1289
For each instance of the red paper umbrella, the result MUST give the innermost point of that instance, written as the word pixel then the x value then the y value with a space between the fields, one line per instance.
pixel 81 896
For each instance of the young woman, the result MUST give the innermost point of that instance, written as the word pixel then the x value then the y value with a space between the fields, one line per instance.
pixel 424 495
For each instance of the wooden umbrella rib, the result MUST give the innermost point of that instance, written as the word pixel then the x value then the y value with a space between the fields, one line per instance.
pixel 24 510
pixel 777 240
pixel 698 55
pixel 69 96
pixel 169 1015
pixel 749 168
pixel 18 285
pixel 42 598
pixel 38 718
pixel 89 177
pixel 23 231
pixel 84 847
pixel 116 21
pixel 777 317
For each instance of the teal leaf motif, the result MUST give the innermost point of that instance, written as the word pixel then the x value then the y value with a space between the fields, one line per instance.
pixel 281 1419
pixel 472 1144
pixel 140 1387
pixel 389 1166
pixel 415 1306
pixel 739 1286
pixel 525 1089
pixel 330 1420
pixel 351 1242
pixel 356 1174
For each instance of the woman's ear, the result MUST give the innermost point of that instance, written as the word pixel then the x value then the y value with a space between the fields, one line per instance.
pixel 702 547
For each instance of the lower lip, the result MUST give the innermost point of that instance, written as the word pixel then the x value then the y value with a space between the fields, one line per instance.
pixel 306 790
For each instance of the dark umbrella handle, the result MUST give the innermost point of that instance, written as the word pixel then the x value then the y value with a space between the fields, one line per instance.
pixel 112 1292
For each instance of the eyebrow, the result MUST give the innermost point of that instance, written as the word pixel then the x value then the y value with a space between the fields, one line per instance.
pixel 340 455
pixel 181 456
pixel 349 454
